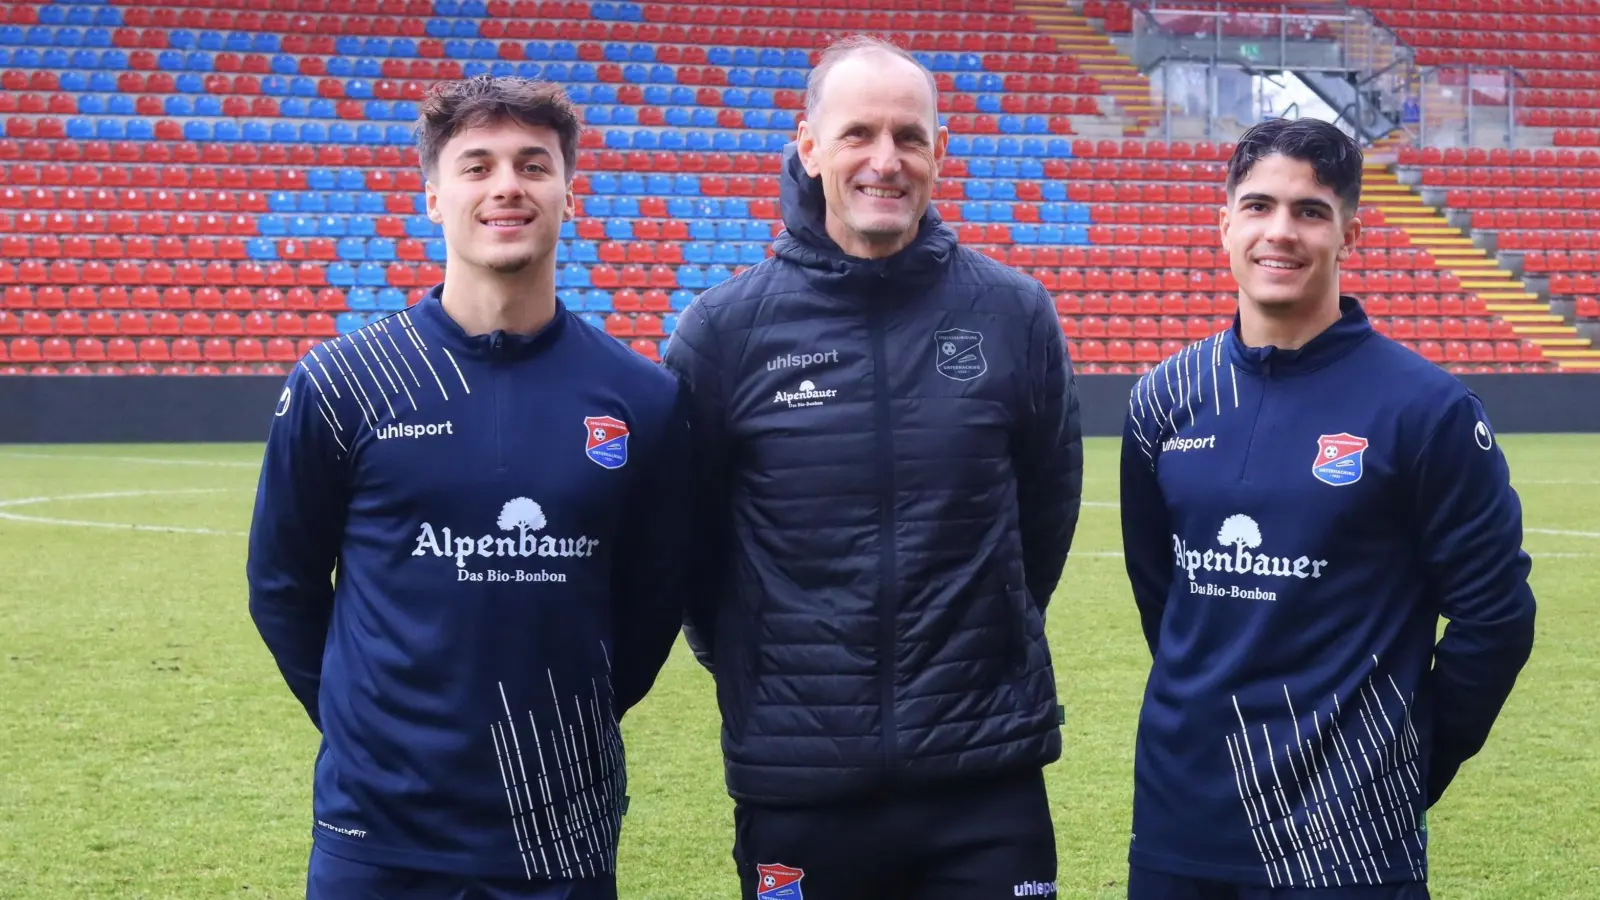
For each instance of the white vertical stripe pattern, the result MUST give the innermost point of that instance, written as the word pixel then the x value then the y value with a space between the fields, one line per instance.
pixel 1312 833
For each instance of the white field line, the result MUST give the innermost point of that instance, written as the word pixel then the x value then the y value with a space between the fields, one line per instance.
pixel 7 505
pixel 148 460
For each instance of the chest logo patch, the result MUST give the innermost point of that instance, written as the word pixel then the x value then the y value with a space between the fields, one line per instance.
pixel 608 441
pixel 958 354
pixel 1338 459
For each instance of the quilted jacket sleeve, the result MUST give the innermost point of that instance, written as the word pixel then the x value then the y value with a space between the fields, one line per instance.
pixel 1049 460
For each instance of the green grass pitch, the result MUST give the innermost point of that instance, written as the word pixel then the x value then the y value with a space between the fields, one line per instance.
pixel 149 749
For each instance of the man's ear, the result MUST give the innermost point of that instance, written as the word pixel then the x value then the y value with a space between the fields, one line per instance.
pixel 806 145
pixel 1352 237
pixel 432 195
pixel 1222 226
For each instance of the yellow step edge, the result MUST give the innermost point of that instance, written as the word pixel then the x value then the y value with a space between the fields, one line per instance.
pixel 1491 294
pixel 1448 244
pixel 1469 263
pixel 1570 343
pixel 1540 319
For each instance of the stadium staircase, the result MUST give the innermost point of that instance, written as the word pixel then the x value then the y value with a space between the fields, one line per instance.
pixel 213 187
pixel 1097 56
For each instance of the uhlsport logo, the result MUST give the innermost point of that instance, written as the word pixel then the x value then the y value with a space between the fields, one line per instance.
pixel 1034 889
pixel 1185 444
pixel 523 518
pixel 802 360
pixel 775 882
pixel 1338 459
pixel 807 395
pixel 959 354
pixel 608 441
pixel 395 430
pixel 1243 535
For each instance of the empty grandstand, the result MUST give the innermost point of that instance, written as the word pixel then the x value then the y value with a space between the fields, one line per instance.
pixel 212 187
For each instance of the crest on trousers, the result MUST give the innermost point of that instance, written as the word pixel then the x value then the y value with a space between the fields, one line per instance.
pixel 958 354
pixel 607 441
pixel 1338 459
pixel 775 882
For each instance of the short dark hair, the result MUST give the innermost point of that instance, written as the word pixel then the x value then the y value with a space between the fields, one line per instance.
pixel 1334 156
pixel 454 106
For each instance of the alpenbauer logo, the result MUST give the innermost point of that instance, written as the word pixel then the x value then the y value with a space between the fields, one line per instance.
pixel 1242 534
pixel 523 518
pixel 808 395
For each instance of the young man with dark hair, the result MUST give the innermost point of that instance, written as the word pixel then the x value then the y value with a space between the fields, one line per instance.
pixel 466 554
pixel 1302 499
pixel 889 458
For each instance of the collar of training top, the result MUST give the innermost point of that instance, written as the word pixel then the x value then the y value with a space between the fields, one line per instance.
pixel 495 344
pixel 805 241
pixel 1340 338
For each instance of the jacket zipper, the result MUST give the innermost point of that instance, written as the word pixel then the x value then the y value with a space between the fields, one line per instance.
pixel 1255 422
pixel 499 389
pixel 888 589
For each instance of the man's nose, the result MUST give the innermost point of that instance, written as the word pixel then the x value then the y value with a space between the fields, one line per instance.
pixel 886 155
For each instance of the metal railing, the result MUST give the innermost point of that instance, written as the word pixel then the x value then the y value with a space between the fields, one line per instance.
pixel 1466 105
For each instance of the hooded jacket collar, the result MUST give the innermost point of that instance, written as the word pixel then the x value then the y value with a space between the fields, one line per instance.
pixel 494 346
pixel 805 242
pixel 1351 328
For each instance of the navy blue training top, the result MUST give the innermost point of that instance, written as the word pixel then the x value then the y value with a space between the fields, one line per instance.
pixel 1295 523
pixel 502 518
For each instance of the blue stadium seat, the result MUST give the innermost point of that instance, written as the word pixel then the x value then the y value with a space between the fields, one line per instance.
pixel 436 249
pixel 391 299
pixel 627 207
pixel 977 189
pixel 1024 233
pixel 361 299
pixel 597 206
pixel 697 253
pixel 692 277
pixel 717 274
pixel 272 226
pixel 226 131
pixel 586 252
pixel 597 300
pixel 702 230
pixel 1078 213
pixel 1053 191
pixel 681 298
pixel 372 274
pixel 669 323
pixel 260 248
pixel 619 229
pixel 110 129
pixel 685 185
pixel 574 275
pixel 352 249
pixel 347 322
pixel 340 274
pixel 140 129
pixel 1051 234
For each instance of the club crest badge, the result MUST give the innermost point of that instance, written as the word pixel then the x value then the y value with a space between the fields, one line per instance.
pixel 1338 459
pixel 607 441
pixel 775 882
pixel 958 354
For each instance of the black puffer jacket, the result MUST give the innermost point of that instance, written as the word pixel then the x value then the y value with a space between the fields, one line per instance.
pixel 891 461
